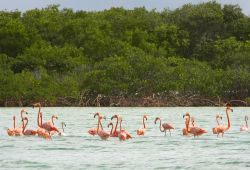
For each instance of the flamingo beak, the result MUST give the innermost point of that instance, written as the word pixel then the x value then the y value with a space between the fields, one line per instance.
pixel 232 110
pixel 184 116
pixel 104 117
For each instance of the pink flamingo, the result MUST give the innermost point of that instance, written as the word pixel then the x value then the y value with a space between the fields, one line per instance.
pixel 11 131
pixel 49 126
pixel 165 126
pixel 19 131
pixel 115 133
pixel 217 130
pixel 93 131
pixel 224 128
pixel 53 124
pixel 101 133
pixel 123 133
pixel 185 131
pixel 142 130
pixel 28 132
pixel 41 131
pixel 196 131
pixel 244 127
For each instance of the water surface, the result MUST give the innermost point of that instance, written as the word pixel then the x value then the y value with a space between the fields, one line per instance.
pixel 78 150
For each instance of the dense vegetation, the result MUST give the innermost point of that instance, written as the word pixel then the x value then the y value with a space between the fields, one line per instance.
pixel 66 57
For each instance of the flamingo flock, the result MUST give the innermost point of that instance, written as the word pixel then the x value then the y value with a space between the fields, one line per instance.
pixel 47 129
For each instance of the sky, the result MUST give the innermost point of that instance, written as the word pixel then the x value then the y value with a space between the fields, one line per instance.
pixel 97 5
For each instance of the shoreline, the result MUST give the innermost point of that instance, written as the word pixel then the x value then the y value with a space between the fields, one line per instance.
pixel 129 102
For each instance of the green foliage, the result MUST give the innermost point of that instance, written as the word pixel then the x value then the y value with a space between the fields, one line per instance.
pixel 13 36
pixel 49 54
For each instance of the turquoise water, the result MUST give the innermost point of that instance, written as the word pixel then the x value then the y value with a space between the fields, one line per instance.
pixel 78 150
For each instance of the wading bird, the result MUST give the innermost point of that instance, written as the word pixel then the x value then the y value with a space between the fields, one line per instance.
pixel 27 132
pixel 142 130
pixel 165 126
pixel 185 131
pixel 224 128
pixel 196 131
pixel 217 130
pixel 101 133
pixel 11 131
pixel 244 127
pixel 115 133
pixel 93 131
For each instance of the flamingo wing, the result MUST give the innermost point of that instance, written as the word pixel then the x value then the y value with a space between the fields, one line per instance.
pixel 115 133
pixel 167 126
pixel 122 135
pixel 128 135
pixel 29 132
pixel 92 131
pixel 243 128
pixel 103 134
pixel 141 131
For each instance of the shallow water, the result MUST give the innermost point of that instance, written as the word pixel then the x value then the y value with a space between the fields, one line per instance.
pixel 78 150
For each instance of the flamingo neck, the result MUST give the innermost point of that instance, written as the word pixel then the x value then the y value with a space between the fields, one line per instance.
pixel 62 127
pixel 217 121
pixel 111 131
pixel 21 115
pixel 101 125
pixel 41 119
pixel 14 121
pixel 162 130
pixel 98 126
pixel 52 120
pixel 99 122
pixel 144 126
pixel 228 120
pixel 120 126
pixel 246 123
pixel 116 124
pixel 38 116
pixel 187 123
pixel 24 126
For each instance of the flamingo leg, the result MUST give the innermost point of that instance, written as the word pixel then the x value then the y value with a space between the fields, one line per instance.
pixel 169 132
pixel 165 132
